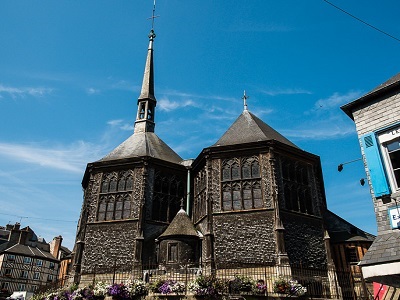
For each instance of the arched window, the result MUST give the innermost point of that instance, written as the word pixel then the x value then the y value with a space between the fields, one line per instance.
pixel 101 214
pixel 121 183
pixel 226 197
pixel 168 192
pixel 115 185
pixel 247 196
pixel 297 189
pixel 241 188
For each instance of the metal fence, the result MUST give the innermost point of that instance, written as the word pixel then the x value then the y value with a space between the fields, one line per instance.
pixel 326 283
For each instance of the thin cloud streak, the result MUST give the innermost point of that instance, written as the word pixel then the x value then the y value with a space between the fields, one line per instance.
pixel 15 92
pixel 336 100
pixel 276 92
pixel 72 158
pixel 318 133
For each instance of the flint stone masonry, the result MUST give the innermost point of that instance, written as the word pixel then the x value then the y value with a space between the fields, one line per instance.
pixel 246 237
pixel 266 172
pixel 107 244
pixel 304 240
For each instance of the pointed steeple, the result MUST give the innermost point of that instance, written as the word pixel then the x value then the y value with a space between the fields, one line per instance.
pixel 147 101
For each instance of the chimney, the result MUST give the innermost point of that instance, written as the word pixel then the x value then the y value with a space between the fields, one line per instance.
pixel 15 234
pixel 55 246
pixel 23 236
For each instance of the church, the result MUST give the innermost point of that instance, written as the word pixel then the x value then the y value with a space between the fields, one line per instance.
pixel 252 197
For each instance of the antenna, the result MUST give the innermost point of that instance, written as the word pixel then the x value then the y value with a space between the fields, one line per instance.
pixel 245 97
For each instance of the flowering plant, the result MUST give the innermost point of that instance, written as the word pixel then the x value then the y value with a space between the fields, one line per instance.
pixel 119 291
pixel 207 286
pixel 138 288
pixel 100 289
pixel 171 286
pixel 260 287
pixel 56 294
pixel 281 286
pixel 296 288
pixel 81 294
pixel 241 284
pixel 291 287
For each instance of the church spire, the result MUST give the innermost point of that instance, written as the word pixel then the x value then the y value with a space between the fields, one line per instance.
pixel 147 101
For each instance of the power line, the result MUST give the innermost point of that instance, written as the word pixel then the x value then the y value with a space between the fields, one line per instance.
pixel 37 218
pixel 358 19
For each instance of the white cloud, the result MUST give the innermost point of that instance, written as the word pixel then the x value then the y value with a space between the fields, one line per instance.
pixel 23 91
pixel 166 105
pixel 71 158
pixel 275 92
pixel 336 100
pixel 92 91
pixel 121 124
pixel 318 133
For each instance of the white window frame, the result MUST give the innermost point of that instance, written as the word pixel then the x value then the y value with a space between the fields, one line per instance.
pixel 21 287
pixel 24 274
pixel 5 285
pixel 384 138
pixel 10 257
pixel 36 276
pixel 39 263
pixel 27 260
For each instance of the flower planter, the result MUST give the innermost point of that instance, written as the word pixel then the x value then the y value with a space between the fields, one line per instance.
pixel 168 296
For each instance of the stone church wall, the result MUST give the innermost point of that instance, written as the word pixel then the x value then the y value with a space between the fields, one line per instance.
pixel 245 237
pixel 92 196
pixel 107 244
pixel 266 174
pixel 304 240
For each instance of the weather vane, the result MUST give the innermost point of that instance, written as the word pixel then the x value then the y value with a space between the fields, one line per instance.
pixel 245 97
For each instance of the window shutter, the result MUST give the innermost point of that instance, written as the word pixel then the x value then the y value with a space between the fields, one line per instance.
pixel 375 165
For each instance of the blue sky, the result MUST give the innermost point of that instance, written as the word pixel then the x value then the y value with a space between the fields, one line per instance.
pixel 70 74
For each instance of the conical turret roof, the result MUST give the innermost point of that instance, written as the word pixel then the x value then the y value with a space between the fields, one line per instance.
pixel 248 129
pixel 181 225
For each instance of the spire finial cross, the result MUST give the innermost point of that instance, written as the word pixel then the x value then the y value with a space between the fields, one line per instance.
pixel 245 97
pixel 153 16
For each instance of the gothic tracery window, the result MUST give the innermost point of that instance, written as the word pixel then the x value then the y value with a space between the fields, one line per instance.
pixel 296 186
pixel 241 184
pixel 200 205
pixel 115 196
pixel 168 192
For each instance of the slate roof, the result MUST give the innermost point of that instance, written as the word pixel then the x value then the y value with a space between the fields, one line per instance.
pixel 247 129
pixel 384 249
pixel 143 144
pixel 388 85
pixel 181 225
pixel 25 250
pixel 342 231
